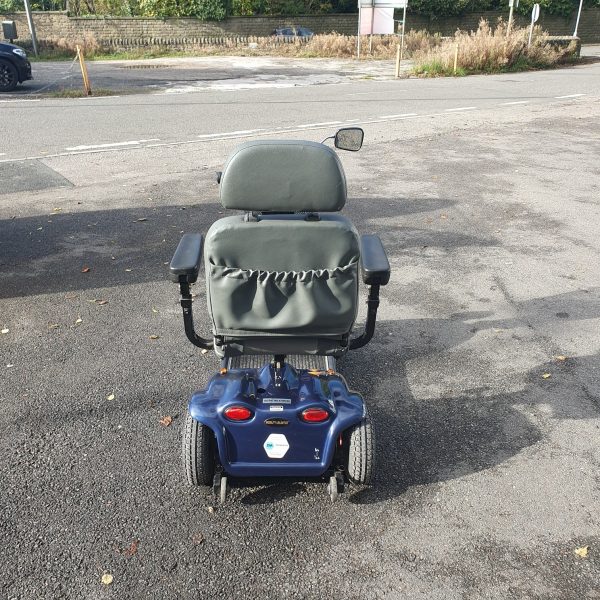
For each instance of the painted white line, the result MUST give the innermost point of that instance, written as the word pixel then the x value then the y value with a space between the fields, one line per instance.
pixel 114 145
pixel 461 108
pixel 20 100
pixel 229 133
pixel 569 96
pixel 513 103
pixel 398 116
pixel 319 124
pixel 2 153
pixel 97 97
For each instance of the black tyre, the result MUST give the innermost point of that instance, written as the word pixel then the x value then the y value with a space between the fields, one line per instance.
pixel 360 446
pixel 198 452
pixel 9 78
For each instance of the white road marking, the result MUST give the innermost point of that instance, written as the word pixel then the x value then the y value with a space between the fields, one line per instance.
pixel 229 133
pixel 97 97
pixel 20 100
pixel 319 124
pixel 461 108
pixel 569 96
pixel 113 145
pixel 2 153
pixel 398 116
pixel 513 103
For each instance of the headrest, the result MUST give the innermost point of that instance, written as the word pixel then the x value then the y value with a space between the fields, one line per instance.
pixel 283 176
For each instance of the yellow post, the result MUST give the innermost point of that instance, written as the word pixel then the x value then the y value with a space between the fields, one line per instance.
pixel 87 88
pixel 398 61
pixel 455 58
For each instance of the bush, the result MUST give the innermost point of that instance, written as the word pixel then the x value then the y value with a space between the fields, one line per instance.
pixel 490 50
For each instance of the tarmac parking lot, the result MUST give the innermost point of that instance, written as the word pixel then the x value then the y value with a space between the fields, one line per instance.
pixel 483 379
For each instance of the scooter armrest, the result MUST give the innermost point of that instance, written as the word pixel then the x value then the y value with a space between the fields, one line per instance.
pixel 374 264
pixel 185 263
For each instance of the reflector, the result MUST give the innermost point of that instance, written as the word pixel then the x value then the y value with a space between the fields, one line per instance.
pixel 315 415
pixel 237 413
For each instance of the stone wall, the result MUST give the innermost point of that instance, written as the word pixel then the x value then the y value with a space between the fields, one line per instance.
pixel 134 31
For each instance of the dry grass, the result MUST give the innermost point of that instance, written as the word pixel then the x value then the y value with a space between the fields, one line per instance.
pixel 333 45
pixel 490 50
pixel 62 47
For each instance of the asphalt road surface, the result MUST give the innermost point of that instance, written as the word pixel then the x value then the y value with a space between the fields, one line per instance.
pixel 483 378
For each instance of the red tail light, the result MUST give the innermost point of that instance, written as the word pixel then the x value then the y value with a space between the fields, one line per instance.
pixel 238 413
pixel 315 415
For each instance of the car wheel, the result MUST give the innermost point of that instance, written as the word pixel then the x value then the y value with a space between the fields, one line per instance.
pixel 8 76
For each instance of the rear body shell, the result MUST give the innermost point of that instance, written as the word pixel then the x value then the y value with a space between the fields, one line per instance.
pixel 275 441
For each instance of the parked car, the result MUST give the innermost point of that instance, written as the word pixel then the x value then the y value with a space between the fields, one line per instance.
pixel 293 32
pixel 14 66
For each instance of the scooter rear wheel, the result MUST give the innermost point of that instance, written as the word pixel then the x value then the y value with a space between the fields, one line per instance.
pixel 360 445
pixel 198 452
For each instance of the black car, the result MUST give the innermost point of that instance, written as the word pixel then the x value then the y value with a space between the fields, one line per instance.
pixel 293 32
pixel 14 67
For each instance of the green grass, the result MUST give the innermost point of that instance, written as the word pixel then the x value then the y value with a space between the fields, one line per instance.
pixel 437 69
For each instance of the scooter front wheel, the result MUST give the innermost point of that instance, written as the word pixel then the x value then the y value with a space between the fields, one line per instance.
pixel 198 452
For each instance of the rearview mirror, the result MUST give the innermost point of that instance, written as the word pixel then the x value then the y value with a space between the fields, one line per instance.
pixel 349 138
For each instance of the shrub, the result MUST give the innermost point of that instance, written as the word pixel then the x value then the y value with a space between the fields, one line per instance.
pixel 489 50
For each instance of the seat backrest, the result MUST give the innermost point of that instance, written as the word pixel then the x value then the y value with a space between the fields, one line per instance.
pixel 292 275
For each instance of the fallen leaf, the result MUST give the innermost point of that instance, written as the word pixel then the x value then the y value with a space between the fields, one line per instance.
pixel 496 330
pixel 107 579
pixel 5 330
pixel 9 366
pixel 56 209
pixel 53 325
pixel 101 302
pixel 79 320
pixel 85 270
pixel 210 509
pixel 166 421
pixel 132 548
pixel 561 358
pixel 71 296
pixel 142 219
pixel 154 337
pixel 110 397
pixel 204 351
pixel 154 310
pixel 546 375
pixel 40 228
pixel 127 270
pixel 583 551
pixel 198 538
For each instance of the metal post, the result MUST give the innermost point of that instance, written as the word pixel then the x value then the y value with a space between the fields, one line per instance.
pixel 358 35
pixel 372 25
pixel 455 58
pixel 578 17
pixel 31 27
pixel 510 16
pixel 403 31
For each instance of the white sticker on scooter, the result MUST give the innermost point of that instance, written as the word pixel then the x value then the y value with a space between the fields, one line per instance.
pixel 276 445
pixel 276 408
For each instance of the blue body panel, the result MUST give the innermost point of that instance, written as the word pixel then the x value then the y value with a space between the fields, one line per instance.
pixel 281 395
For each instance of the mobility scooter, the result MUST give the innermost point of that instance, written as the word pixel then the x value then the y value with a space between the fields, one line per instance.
pixel 282 294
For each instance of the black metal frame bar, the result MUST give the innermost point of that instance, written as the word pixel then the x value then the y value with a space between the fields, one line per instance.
pixel 372 305
pixel 188 318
